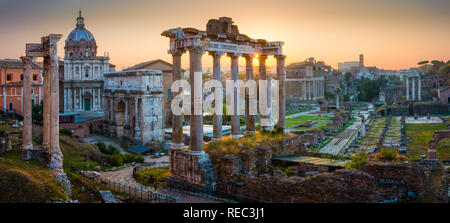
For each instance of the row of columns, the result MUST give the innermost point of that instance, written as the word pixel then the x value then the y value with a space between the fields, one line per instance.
pixel 50 129
pixel 313 89
pixel 413 90
pixel 196 121
pixel 72 94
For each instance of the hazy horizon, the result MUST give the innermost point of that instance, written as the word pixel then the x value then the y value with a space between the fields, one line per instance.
pixel 390 34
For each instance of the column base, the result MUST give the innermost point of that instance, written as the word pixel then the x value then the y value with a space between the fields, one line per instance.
pixel 236 136
pixel 26 152
pixel 193 168
pixel 252 132
pixel 55 159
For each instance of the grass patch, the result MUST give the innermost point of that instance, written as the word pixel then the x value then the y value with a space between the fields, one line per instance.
pixel 230 146
pixel 27 181
pixel 360 159
pixel 320 122
pixel 420 135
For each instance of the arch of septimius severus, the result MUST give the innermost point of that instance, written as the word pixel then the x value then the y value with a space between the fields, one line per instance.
pixel 220 38
pixel 50 150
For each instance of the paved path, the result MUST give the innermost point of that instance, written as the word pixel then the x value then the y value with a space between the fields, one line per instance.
pixel 315 109
pixel 346 137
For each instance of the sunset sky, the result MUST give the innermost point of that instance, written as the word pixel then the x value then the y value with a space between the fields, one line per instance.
pixel 392 34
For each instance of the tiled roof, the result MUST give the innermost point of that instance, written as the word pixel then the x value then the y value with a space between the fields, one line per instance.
pixel 12 64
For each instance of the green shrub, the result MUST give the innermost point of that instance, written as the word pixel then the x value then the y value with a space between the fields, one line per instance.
pixel 129 158
pixel 388 154
pixel 101 146
pixel 115 160
pixel 357 160
pixel 66 132
pixel 113 150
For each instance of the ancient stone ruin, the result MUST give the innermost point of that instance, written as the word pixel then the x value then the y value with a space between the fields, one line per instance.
pixel 50 146
pixel 221 37
pixel 129 100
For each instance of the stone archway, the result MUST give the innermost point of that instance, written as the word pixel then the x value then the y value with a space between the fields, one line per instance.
pixel 120 118
pixel 432 144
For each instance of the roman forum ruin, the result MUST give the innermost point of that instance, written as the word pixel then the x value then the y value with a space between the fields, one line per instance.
pixel 413 79
pixel 129 99
pixel 50 150
pixel 220 38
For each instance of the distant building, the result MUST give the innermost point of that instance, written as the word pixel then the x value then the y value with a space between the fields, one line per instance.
pixel 305 81
pixel 82 81
pixel 11 76
pixel 444 95
pixel 167 73
pixel 352 66
pixel 365 73
pixel 131 105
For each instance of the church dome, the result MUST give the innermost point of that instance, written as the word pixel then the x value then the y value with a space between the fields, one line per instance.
pixel 80 42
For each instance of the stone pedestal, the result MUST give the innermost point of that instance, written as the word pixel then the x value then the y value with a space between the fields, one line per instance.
pixel 192 168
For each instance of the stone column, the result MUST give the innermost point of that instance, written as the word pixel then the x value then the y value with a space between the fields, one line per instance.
pixel 111 106
pixel 249 76
pixel 46 114
pixel 235 117
pixel 263 76
pixel 137 129
pixel 196 128
pixel 419 85
pixel 126 111
pixel 304 90
pixel 80 99
pixel 177 120
pixel 282 92
pixel 407 87
pixel 27 143
pixel 414 88
pixel 56 156
pixel 311 95
pixel 217 119
pixel 99 98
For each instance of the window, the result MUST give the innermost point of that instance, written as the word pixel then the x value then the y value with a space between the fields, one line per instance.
pixel 34 77
pixel 169 94
pixel 32 90
pixel 21 77
pixel 11 106
pixel 86 74
pixel 77 71
pixel 9 77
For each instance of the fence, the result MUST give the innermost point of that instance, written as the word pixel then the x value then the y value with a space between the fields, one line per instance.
pixel 142 193
pixel 149 180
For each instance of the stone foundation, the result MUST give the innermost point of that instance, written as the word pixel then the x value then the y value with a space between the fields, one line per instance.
pixel 191 169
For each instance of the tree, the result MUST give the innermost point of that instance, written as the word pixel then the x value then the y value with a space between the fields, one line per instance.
pixel 423 62
pixel 369 90
pixel 36 113
pixel 348 77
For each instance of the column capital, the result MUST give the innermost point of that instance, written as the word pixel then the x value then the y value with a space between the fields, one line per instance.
pixel 249 56
pixel 234 55
pixel 280 57
pixel 262 57
pixel 177 52
pixel 196 50
pixel 216 53
pixel 26 60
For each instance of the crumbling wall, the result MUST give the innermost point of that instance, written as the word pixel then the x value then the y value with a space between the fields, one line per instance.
pixel 341 186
